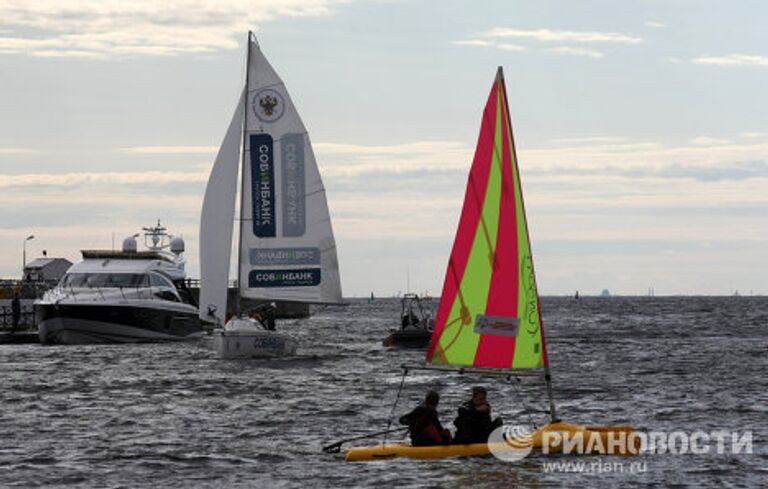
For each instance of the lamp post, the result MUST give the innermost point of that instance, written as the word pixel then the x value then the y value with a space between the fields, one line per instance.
pixel 24 254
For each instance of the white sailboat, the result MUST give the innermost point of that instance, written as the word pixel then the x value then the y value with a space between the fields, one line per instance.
pixel 285 249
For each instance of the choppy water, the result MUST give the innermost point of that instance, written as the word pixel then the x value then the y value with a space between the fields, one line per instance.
pixel 174 416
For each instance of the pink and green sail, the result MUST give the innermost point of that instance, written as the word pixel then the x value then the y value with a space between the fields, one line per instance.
pixel 489 313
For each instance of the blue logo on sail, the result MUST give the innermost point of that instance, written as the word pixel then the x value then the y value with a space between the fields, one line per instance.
pixel 263 185
pixel 303 277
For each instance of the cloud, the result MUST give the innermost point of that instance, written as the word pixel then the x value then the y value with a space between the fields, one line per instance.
pixel 473 42
pixel 572 51
pixel 485 43
pixel 18 151
pixel 702 159
pixel 396 149
pixel 352 160
pixel 646 156
pixel 66 238
pixel 707 141
pixel 510 47
pixel 496 36
pixel 732 60
pixel 588 140
pixel 598 176
pixel 343 162
pixel 733 171
pixel 547 35
pixel 671 59
pixel 654 24
pixel 164 150
pixel 108 28
pixel 121 178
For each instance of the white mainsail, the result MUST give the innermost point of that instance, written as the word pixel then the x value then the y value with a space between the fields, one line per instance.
pixel 287 249
pixel 217 221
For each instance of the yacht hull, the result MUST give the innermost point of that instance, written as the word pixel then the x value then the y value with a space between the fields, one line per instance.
pixel 94 324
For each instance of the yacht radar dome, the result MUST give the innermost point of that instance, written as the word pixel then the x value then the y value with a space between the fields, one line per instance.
pixel 129 244
pixel 177 245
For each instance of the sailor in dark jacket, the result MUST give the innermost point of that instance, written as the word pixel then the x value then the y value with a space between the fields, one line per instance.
pixel 424 425
pixel 473 424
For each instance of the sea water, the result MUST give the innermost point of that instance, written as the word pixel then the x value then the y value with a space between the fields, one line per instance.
pixel 173 415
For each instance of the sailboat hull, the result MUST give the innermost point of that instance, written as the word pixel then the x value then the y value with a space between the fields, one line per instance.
pixel 410 338
pixel 244 338
pixel 266 344
pixel 610 440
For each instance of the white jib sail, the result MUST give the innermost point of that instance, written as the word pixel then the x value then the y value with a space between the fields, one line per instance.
pixel 217 221
pixel 287 250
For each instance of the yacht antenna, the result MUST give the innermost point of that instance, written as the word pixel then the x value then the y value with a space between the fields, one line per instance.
pixel 156 238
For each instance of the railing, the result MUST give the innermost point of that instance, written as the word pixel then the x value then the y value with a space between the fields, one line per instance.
pixel 25 289
pixel 194 283
pixel 26 318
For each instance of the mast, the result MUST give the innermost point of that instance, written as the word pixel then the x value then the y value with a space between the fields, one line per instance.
pixel 547 376
pixel 242 175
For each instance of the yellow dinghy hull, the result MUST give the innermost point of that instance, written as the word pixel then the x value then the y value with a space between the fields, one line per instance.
pixel 550 438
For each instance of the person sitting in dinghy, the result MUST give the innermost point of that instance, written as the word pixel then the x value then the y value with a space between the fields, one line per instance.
pixel 473 424
pixel 424 424
pixel 410 319
pixel 265 315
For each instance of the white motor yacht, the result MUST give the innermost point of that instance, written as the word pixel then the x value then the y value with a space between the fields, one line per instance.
pixel 126 296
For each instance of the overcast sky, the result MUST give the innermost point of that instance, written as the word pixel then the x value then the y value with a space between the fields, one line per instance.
pixel 642 129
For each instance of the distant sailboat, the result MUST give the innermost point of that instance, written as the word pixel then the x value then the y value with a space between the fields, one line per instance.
pixel 286 248
pixel 489 319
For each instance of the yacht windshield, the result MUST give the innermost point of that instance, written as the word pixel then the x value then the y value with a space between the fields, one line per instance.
pixel 115 280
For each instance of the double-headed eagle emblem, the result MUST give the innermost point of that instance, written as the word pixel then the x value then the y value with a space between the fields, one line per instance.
pixel 268 104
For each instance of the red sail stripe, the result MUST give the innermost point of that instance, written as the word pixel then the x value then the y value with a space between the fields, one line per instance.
pixel 470 216
pixel 498 351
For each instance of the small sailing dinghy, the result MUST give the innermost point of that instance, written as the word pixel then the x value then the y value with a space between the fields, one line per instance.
pixel 285 249
pixel 489 319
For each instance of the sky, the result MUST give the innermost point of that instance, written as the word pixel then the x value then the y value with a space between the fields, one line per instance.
pixel 641 129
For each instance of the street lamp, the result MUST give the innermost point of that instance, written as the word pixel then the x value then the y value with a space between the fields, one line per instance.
pixel 24 253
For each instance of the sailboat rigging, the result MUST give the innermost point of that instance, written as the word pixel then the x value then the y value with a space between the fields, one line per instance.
pixel 285 248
